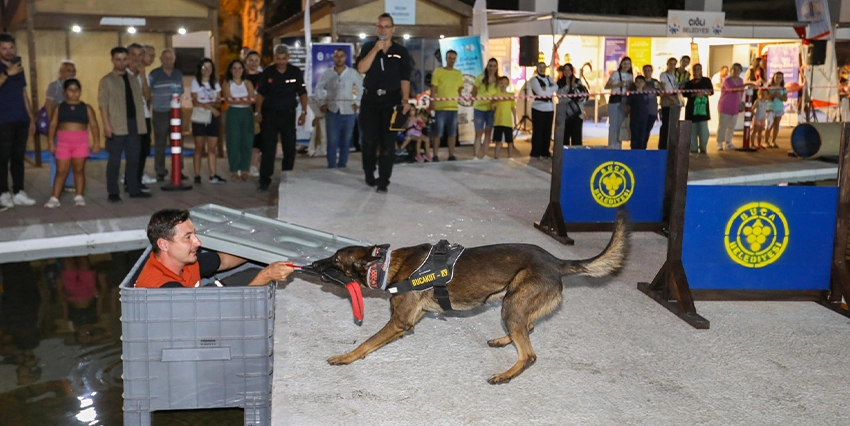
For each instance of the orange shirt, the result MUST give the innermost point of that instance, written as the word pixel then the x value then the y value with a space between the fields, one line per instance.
pixel 155 274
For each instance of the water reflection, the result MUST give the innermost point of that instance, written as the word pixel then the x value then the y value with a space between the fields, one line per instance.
pixel 60 345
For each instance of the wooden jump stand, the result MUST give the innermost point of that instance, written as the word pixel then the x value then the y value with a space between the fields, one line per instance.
pixel 552 223
pixel 670 286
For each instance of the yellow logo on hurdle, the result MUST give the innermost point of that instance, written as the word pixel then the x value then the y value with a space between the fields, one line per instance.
pixel 612 184
pixel 756 235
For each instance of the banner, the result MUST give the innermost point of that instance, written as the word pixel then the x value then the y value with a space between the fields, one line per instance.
pixel 615 49
pixel 689 23
pixel 596 182
pixel 470 63
pixel 323 58
pixel 640 50
pixel 402 11
pixel 759 237
pixel 816 13
pixel 785 59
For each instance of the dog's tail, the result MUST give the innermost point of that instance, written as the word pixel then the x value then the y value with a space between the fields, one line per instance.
pixel 611 259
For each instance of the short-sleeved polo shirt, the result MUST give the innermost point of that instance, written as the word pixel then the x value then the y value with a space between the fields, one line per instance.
pixel 280 91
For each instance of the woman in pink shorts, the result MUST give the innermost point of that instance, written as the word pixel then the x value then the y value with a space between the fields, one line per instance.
pixel 69 127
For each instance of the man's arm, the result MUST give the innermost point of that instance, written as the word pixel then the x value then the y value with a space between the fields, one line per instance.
pixel 405 96
pixel 229 261
pixel 277 271
pixel 365 62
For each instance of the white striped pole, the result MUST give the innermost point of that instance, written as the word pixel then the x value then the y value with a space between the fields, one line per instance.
pixel 176 147
pixel 748 119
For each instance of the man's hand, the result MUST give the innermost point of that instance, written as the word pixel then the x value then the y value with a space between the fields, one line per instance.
pixel 277 271
pixel 405 107
pixel 51 147
pixel 383 44
pixel 302 119
pixel 107 130
pixel 258 117
pixel 354 107
pixel 32 128
pixel 324 109
pixel 15 69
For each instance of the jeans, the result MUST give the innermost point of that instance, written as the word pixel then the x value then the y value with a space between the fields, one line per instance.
pixel 128 145
pixel 726 127
pixel 699 130
pixel 616 114
pixel 668 115
pixel 239 135
pixel 340 128
pixel 13 145
pixel 541 132
pixel 161 139
pixel 378 142
pixel 277 122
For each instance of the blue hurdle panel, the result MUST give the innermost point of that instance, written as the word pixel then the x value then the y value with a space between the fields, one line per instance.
pixel 595 182
pixel 759 237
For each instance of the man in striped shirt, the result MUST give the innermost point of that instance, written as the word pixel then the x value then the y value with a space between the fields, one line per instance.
pixel 339 91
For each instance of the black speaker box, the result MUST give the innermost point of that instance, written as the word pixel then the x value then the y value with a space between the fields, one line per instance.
pixel 529 50
pixel 817 53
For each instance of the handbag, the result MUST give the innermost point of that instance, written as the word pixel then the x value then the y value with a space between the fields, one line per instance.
pixel 201 115
pixel 572 108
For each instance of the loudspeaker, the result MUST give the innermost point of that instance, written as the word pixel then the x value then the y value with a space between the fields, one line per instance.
pixel 817 53
pixel 528 51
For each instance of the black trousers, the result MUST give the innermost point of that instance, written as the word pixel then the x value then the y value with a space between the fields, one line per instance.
pixel 541 132
pixel 144 151
pixel 13 145
pixel 282 123
pixel 572 130
pixel 378 144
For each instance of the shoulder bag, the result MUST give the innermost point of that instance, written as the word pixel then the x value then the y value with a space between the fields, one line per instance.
pixel 201 115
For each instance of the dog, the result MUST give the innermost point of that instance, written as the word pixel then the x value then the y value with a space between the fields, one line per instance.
pixel 525 277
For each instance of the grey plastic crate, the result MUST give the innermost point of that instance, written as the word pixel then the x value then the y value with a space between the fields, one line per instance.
pixel 197 348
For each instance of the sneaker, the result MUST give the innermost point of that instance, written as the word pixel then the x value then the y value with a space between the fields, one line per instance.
pixel 730 146
pixel 381 189
pixel 429 158
pixel 6 200
pixel 436 159
pixel 114 198
pixel 52 203
pixel 254 172
pixel 79 201
pixel 197 180
pixel 147 179
pixel 217 179
pixel 485 158
pixel 452 158
pixel 419 159
pixel 263 187
pixel 144 188
pixel 720 146
pixel 21 199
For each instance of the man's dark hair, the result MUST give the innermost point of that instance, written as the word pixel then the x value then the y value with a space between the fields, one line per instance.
pixel 163 224
pixel 7 38
pixel 71 82
pixel 135 46
pixel 117 50
pixel 686 57
pixel 450 52
pixel 252 52
pixel 387 16
pixel 341 50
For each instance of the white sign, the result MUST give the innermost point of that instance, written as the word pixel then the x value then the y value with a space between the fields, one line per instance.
pixel 689 23
pixel 402 11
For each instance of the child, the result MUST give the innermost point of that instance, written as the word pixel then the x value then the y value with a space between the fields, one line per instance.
pixel 70 125
pixel 759 118
pixel 638 114
pixel 415 126
pixel 504 119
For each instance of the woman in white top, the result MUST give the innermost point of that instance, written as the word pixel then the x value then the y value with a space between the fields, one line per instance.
pixel 205 118
pixel 239 122
pixel 671 105
pixel 542 112
pixel 618 83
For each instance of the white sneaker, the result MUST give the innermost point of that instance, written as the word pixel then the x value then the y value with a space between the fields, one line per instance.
pixel 729 146
pixel 147 179
pixel 6 200
pixel 52 203
pixel 485 158
pixel 21 199
pixel 720 146
pixel 254 172
pixel 79 201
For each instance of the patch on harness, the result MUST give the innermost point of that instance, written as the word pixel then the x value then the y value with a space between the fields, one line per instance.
pixel 436 271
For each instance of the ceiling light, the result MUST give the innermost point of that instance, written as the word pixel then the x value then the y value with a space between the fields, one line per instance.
pixel 131 30
pixel 442 36
pixel 76 28
pixel 406 36
pixel 362 36
pixel 181 31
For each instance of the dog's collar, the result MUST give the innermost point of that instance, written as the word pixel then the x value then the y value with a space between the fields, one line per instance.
pixel 376 273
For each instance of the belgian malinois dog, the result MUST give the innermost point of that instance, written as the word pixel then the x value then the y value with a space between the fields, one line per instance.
pixel 525 277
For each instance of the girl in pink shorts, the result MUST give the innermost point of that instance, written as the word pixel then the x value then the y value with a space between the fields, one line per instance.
pixel 69 127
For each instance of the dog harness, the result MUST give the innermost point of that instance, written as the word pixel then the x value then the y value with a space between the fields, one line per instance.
pixel 436 271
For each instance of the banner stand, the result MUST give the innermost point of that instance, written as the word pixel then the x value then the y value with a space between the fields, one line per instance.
pixel 670 286
pixel 552 223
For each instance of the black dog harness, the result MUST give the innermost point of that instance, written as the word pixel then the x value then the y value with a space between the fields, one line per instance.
pixel 436 271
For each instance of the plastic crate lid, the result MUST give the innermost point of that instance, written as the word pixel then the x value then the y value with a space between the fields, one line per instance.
pixel 261 239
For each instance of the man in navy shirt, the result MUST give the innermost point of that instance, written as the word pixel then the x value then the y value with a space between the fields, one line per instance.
pixel 17 123
pixel 281 88
pixel 387 66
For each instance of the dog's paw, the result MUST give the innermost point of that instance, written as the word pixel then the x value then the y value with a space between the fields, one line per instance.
pixel 500 342
pixel 499 379
pixel 340 360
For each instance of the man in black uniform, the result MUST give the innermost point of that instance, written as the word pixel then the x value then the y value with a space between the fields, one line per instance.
pixel 387 66
pixel 281 86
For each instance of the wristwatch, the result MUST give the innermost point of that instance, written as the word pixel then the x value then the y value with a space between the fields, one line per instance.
pixel 303 112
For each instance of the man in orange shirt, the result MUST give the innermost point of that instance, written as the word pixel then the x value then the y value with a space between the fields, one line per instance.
pixel 175 261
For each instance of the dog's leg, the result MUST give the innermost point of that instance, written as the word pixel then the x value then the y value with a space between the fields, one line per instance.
pixel 506 340
pixel 406 311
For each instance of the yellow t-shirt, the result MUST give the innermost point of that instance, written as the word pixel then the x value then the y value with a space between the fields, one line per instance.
pixel 485 90
pixel 447 83
pixel 504 116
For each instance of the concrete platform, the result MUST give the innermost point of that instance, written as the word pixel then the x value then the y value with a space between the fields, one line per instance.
pixel 608 356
